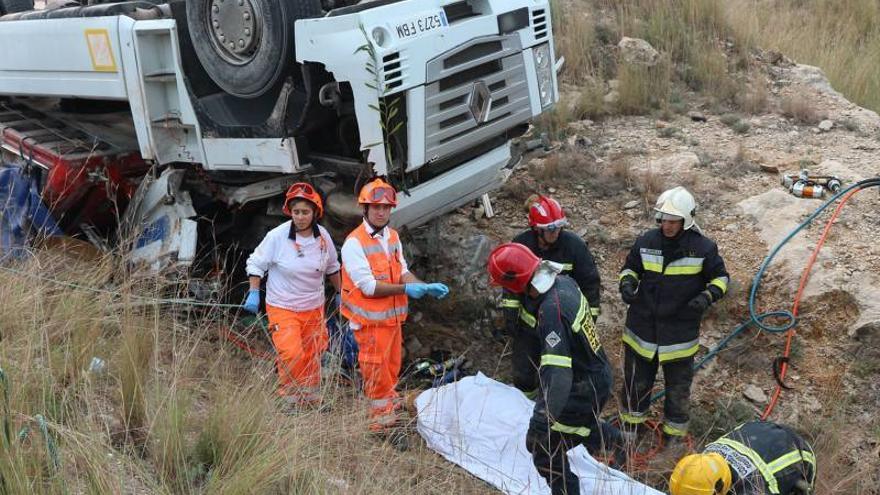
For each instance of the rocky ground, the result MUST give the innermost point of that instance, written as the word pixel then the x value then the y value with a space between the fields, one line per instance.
pixel 607 175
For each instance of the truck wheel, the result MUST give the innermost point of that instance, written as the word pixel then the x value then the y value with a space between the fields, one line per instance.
pixel 245 45
pixel 13 6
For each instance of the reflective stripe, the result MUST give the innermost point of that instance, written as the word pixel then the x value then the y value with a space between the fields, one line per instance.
pixel 556 360
pixel 652 262
pixel 373 249
pixel 790 458
pixel 595 311
pixel 573 430
pixel 577 325
pixel 721 283
pixel 527 318
pixel 567 267
pixel 628 273
pixel 376 315
pixel 675 429
pixel 685 266
pixel 645 349
pixel 753 456
pixel 510 303
pixel 633 418
pixel 678 351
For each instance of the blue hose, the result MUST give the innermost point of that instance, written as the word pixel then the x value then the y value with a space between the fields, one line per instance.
pixel 758 319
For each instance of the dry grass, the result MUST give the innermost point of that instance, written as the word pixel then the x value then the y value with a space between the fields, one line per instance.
pixel 642 89
pixel 801 109
pixel 174 410
pixel 840 36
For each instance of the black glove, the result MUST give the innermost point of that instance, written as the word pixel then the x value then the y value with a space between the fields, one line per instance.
pixel 628 288
pixel 698 305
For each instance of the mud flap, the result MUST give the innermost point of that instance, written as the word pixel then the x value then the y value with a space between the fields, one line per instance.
pixel 160 223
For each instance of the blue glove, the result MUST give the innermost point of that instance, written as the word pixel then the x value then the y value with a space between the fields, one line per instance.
pixel 416 291
pixel 252 303
pixel 438 290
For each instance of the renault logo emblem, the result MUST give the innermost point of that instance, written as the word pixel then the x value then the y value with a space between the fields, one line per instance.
pixel 480 102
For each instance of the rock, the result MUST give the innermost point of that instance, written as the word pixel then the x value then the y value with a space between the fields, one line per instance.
pixel 552 190
pixel 613 84
pixel 637 52
pixel 697 117
pixel 826 125
pixel 775 57
pixel 632 204
pixel 413 346
pixel 773 169
pixel 478 212
pixel 415 317
pixel 579 187
pixel 755 394
pixel 611 98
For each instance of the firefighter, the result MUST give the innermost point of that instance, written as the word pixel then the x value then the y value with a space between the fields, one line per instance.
pixel 756 458
pixel 547 239
pixel 671 276
pixel 574 374
pixel 376 285
pixel 296 256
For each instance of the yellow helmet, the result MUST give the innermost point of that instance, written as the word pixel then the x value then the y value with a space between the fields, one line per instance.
pixel 701 474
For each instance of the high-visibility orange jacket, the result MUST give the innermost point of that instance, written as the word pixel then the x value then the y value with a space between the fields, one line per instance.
pixel 386 267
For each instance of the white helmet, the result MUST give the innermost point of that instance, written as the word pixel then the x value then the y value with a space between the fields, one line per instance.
pixel 677 204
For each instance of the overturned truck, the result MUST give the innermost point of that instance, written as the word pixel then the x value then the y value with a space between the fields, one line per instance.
pixel 184 121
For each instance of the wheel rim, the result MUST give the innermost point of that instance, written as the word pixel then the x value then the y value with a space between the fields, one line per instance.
pixel 235 27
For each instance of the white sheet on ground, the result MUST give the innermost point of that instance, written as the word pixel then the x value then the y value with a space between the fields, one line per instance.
pixel 480 424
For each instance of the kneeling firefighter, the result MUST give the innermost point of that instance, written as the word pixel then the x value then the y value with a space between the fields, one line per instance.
pixel 574 374
pixel 756 458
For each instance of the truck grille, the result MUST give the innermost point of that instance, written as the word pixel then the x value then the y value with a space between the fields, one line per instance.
pixel 459 81
pixel 539 23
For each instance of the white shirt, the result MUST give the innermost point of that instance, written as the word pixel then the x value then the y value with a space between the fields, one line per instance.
pixel 296 270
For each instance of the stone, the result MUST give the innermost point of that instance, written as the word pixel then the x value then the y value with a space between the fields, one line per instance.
pixel 478 212
pixel 631 204
pixel 755 394
pixel 552 190
pixel 413 346
pixel 638 52
pixel 773 169
pixel 697 117
pixel 611 98
pixel 826 125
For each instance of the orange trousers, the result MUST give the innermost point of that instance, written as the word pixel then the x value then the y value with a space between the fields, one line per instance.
pixel 299 337
pixel 380 354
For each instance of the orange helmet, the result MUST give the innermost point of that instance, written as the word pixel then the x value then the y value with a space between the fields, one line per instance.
pixel 377 192
pixel 301 190
pixel 511 266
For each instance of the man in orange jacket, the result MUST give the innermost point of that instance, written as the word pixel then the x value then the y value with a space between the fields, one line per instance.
pixel 376 285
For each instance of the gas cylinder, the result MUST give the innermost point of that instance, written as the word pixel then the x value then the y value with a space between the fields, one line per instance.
pixel 804 189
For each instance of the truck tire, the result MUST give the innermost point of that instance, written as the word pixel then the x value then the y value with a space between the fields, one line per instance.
pixel 14 6
pixel 246 46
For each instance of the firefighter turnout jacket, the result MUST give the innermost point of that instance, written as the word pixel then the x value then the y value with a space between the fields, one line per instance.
pixel 669 273
pixel 766 458
pixel 574 369
pixel 577 262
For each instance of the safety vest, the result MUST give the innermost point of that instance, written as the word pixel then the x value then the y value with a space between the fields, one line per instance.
pixel 375 311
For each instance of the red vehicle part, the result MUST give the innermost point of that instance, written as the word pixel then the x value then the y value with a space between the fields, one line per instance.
pixel 87 180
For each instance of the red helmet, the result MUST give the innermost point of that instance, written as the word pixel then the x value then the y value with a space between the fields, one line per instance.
pixel 511 266
pixel 301 190
pixel 546 213
pixel 377 192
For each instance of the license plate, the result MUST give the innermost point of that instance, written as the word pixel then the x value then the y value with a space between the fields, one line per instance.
pixel 420 24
